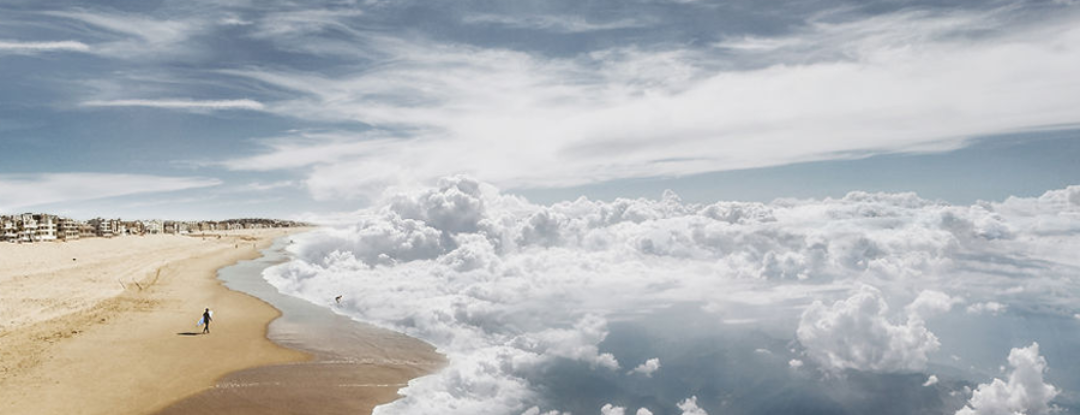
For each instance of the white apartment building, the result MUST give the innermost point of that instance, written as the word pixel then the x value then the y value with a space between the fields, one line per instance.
pixel 46 228
pixel 28 228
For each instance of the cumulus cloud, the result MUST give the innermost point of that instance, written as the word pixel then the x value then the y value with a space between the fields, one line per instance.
pixel 182 104
pixel 989 307
pixel 608 409
pixel 648 368
pixel 507 288
pixel 690 407
pixel 930 381
pixel 931 302
pixel 1025 392
pixel 26 190
pixel 643 411
pixel 856 334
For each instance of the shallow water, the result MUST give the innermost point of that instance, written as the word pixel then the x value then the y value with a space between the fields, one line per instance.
pixel 355 366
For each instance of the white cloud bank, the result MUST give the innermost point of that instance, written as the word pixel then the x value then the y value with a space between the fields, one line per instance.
pixel 1024 393
pixel 19 191
pixel 507 288
pixel 904 82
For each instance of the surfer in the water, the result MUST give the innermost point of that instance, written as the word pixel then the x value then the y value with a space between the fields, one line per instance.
pixel 206 321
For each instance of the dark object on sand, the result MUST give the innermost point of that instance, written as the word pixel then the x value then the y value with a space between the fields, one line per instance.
pixel 206 321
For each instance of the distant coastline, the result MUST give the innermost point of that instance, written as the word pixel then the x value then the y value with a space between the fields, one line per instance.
pixel 45 227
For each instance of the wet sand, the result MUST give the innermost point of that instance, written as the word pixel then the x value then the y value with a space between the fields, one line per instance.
pixel 355 366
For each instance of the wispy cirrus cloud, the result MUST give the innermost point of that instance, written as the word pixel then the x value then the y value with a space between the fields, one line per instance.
pixel 909 81
pixel 262 187
pixel 308 149
pixel 554 23
pixel 180 104
pixel 27 190
pixel 11 46
pixel 138 35
pixel 302 22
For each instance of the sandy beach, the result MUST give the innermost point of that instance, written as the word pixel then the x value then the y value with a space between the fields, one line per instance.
pixel 107 326
pixel 355 366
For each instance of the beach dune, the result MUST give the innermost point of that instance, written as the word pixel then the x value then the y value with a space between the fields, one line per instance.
pixel 107 326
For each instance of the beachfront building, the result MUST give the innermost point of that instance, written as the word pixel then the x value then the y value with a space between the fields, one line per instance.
pixel 27 227
pixel 41 227
pixel 104 228
pixel 134 227
pixel 67 229
pixel 178 228
pixel 86 230
pixel 155 227
pixel 9 231
pixel 46 228
pixel 101 227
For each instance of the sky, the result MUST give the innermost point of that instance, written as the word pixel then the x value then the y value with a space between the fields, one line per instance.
pixel 216 109
pixel 794 206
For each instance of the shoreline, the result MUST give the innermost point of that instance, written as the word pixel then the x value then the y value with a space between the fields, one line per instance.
pixel 354 366
pixel 112 331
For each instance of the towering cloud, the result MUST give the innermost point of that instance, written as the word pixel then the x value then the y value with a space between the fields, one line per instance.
pixel 690 407
pixel 1025 392
pixel 856 334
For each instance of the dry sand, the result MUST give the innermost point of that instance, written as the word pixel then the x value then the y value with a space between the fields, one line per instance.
pixel 356 367
pixel 107 326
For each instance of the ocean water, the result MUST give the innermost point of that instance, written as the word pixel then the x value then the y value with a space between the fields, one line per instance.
pixel 871 303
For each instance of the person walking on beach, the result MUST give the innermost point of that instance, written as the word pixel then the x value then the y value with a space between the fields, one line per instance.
pixel 206 321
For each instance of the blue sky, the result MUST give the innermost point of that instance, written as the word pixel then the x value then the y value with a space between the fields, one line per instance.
pixel 200 109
